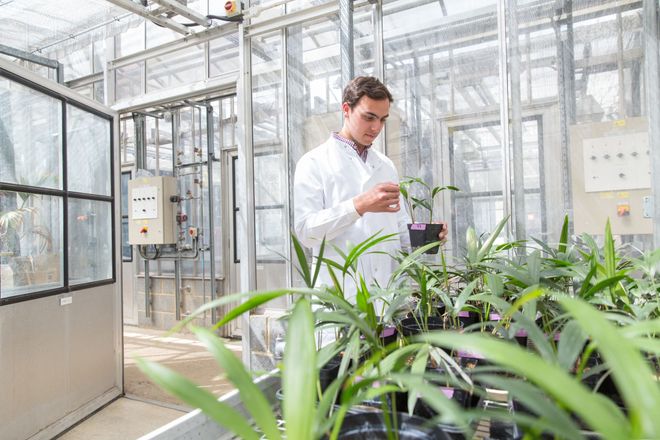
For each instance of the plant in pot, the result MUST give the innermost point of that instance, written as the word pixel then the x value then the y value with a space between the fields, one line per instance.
pixel 418 194
pixel 555 402
pixel 305 414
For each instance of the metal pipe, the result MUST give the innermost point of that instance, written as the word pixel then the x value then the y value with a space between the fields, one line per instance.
pixel 516 124
pixel 504 108
pixel 147 297
pixel 651 69
pixel 210 149
pixel 346 41
pixel 563 121
pixel 177 288
pixel 246 159
pixel 620 66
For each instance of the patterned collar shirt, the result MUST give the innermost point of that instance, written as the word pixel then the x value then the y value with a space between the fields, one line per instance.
pixel 353 145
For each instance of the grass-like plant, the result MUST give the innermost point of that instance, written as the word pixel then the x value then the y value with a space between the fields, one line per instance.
pixel 418 194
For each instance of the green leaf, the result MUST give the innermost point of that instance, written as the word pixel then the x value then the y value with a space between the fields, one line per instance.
pixel 563 237
pixel 177 385
pixel 303 267
pixel 630 371
pixel 602 285
pixel 555 420
pixel 253 399
pixel 609 252
pixel 319 262
pixel 300 375
pixel 251 304
pixel 594 409
pixel 570 346
pixel 485 249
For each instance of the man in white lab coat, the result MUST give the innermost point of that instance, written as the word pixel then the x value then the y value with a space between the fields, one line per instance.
pixel 346 191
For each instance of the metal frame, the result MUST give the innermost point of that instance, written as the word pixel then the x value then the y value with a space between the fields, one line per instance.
pixel 36 59
pixel 65 96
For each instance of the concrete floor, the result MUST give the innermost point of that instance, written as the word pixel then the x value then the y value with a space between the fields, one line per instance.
pixel 145 406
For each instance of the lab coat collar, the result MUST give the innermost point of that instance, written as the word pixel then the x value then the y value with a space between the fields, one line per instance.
pixel 374 159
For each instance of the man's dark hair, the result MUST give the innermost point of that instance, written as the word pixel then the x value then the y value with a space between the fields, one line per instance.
pixel 365 85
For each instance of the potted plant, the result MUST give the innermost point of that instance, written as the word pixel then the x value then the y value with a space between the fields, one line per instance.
pixel 418 194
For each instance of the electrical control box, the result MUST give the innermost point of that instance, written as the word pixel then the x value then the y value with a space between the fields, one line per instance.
pixel 611 176
pixel 151 211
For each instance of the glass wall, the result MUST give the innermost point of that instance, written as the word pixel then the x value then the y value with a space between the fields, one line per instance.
pixel 534 111
pixel 268 133
pixel 36 195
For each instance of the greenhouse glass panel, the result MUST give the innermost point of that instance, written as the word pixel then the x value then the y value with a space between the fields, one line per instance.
pixel 30 243
pixel 180 67
pixel 587 90
pixel 129 81
pixel 30 126
pixel 77 64
pixel 130 42
pixel 223 55
pixel 270 167
pixel 314 85
pixel 364 41
pixel 441 65
pixel 89 152
pixel 89 241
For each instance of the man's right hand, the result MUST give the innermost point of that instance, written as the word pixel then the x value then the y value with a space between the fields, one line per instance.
pixel 383 197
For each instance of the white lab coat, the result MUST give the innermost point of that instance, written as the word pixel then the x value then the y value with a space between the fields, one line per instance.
pixel 326 180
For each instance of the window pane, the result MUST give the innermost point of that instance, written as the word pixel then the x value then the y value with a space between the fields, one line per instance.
pixel 77 64
pixel 176 68
pixel 30 126
pixel 126 140
pixel 90 241
pixel 88 152
pixel 223 55
pixel 126 249
pixel 30 243
pixel 129 81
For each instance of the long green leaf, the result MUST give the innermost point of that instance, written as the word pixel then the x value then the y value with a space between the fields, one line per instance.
pixel 563 237
pixel 300 374
pixel 319 263
pixel 303 266
pixel 594 409
pixel 250 304
pixel 630 372
pixel 177 385
pixel 485 248
pixel 571 343
pixel 609 253
pixel 251 396
pixel 556 420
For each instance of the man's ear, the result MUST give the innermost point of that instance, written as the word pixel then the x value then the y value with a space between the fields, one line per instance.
pixel 345 108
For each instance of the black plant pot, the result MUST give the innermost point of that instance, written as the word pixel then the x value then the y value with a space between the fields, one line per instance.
pixel 414 325
pixel 371 426
pixel 328 373
pixel 424 233
pixel 425 411
pixel 388 335
pixel 466 318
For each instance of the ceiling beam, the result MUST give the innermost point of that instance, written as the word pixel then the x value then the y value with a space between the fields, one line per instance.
pixel 146 13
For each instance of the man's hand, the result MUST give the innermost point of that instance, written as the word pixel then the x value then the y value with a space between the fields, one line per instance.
pixel 444 232
pixel 383 197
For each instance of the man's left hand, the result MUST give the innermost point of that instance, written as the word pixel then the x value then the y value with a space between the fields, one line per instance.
pixel 442 236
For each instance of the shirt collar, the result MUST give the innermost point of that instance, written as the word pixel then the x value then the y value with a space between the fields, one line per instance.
pixel 353 145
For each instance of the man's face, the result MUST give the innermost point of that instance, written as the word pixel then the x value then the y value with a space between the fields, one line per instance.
pixel 365 121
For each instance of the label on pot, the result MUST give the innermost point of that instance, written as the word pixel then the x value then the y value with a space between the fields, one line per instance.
pixel 449 392
pixel 418 226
